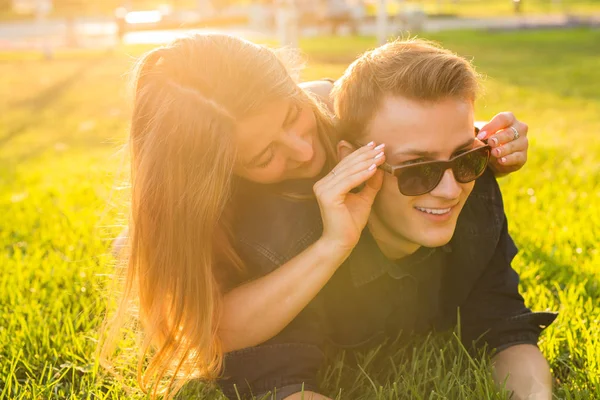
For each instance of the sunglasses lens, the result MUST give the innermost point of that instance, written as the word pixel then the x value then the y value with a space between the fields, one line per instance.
pixel 471 165
pixel 419 179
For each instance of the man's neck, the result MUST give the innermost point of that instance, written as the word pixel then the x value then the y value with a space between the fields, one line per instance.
pixel 391 245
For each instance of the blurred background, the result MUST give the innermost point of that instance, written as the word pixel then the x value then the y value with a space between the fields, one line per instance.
pixel 103 23
pixel 64 115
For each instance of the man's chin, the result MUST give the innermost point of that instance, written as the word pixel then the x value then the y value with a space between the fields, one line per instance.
pixel 435 240
pixel 437 236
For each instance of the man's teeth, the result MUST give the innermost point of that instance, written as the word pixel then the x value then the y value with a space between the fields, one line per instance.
pixel 436 211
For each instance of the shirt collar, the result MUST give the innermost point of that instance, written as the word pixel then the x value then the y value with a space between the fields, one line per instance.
pixel 368 263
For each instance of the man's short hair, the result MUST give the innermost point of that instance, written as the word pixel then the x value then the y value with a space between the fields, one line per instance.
pixel 414 69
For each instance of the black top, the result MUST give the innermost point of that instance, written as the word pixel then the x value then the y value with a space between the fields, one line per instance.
pixel 371 297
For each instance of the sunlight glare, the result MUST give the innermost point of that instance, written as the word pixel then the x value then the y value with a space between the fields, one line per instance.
pixel 143 17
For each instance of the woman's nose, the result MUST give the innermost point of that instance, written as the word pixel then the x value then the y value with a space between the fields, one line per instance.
pixel 299 147
pixel 448 188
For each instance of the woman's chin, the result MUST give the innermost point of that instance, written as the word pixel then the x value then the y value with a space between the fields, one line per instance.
pixel 314 168
pixel 317 164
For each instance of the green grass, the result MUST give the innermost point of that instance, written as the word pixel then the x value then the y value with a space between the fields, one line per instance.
pixel 462 8
pixel 61 128
pixel 494 8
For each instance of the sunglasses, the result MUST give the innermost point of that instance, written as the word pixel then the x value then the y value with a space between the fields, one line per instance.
pixel 420 178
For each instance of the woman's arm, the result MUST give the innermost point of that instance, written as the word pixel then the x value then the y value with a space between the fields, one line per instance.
pixel 258 310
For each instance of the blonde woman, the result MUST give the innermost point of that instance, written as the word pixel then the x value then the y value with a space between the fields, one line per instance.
pixel 216 120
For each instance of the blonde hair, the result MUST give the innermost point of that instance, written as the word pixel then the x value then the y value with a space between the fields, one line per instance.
pixel 189 96
pixel 415 69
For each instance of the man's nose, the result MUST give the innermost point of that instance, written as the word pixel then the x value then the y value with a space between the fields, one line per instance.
pixel 448 188
pixel 298 147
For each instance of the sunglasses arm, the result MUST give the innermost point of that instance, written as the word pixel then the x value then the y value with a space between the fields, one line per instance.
pixel 387 168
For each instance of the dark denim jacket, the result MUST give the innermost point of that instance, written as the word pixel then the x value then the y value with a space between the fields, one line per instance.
pixel 371 297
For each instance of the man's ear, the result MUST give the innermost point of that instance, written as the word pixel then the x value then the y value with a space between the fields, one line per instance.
pixel 344 149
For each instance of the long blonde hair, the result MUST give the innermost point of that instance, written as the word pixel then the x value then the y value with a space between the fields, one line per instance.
pixel 189 96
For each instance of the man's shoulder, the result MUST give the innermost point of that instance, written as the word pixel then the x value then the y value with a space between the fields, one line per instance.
pixel 270 227
pixel 322 90
pixel 480 222
pixel 486 188
pixel 477 236
pixel 485 201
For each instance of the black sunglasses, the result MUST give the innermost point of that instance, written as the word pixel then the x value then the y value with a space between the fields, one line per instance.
pixel 420 178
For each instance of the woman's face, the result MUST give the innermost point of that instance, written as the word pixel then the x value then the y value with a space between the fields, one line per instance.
pixel 279 143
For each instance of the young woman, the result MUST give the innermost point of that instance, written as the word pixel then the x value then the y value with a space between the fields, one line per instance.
pixel 216 118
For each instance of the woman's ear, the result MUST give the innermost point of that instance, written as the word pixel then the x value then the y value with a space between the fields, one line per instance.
pixel 344 149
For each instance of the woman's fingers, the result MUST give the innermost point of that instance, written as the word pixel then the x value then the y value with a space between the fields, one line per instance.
pixel 341 186
pixel 500 121
pixel 508 134
pixel 360 152
pixel 363 157
pixel 499 130
pixel 353 180
pixel 372 187
pixel 502 137
pixel 357 157
pixel 359 165
pixel 519 145
pixel 514 159
pixel 353 175
pixel 349 178
pixel 509 150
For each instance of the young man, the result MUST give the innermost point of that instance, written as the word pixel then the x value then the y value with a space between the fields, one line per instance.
pixel 436 244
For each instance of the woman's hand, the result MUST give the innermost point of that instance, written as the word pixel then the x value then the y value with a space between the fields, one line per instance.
pixel 345 214
pixel 509 152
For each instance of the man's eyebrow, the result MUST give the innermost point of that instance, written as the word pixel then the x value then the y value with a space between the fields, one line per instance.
pixel 254 160
pixel 432 154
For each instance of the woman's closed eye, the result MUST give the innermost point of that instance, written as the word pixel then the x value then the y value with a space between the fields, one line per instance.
pixel 268 159
pixel 291 118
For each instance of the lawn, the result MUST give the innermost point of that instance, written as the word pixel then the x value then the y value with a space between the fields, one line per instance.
pixel 62 126
pixel 434 8
pixel 493 8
